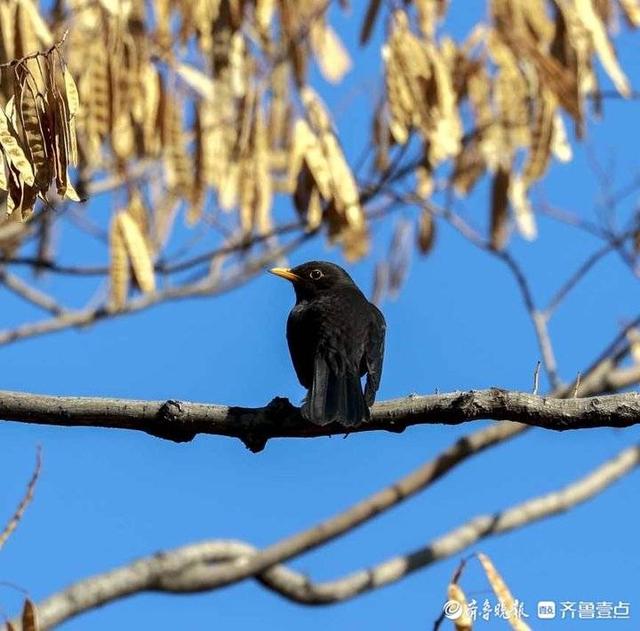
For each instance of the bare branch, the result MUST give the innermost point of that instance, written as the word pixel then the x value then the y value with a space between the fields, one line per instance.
pixel 197 567
pixel 29 293
pixel 538 318
pixel 536 378
pixel 474 530
pixel 40 53
pixel 208 286
pixel 576 277
pixel 40 264
pixel 181 421
pixel 601 376
pixel 12 524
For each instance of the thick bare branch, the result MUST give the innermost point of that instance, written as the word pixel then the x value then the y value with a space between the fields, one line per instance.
pixel 197 567
pixel 181 421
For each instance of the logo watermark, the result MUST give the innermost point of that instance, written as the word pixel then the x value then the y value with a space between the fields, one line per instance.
pixel 584 610
pixel 452 609
pixel 484 611
pixel 544 610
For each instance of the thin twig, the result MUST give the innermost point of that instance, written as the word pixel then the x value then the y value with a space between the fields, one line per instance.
pixel 536 376
pixel 26 500
pixel 29 293
pixel 576 387
pixel 39 53
pixel 205 287
pixel 537 317
pixel 576 277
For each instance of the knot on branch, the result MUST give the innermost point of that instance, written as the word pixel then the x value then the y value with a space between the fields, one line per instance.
pixel 278 413
pixel 254 442
pixel 466 402
pixel 170 411
pixel 171 425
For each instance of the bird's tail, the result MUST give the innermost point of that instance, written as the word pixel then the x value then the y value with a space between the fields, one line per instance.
pixel 335 397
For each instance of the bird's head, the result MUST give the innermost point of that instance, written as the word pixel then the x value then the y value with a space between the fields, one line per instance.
pixel 314 277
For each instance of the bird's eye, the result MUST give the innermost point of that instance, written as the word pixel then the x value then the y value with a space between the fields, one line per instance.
pixel 315 274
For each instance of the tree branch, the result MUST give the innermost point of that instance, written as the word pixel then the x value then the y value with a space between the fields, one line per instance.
pixel 539 319
pixel 197 567
pixel 208 286
pixel 181 421
pixel 601 376
pixel 29 293
pixel 24 502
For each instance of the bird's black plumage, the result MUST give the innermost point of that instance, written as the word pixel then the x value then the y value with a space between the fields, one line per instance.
pixel 335 336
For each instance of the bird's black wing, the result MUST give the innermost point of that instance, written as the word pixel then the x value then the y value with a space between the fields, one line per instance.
pixel 374 354
pixel 302 332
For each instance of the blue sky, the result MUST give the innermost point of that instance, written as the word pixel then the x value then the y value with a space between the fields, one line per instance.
pixel 107 497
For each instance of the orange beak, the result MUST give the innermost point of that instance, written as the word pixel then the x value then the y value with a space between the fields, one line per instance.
pixel 284 272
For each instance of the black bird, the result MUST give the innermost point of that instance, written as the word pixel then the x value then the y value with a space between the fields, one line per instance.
pixel 335 337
